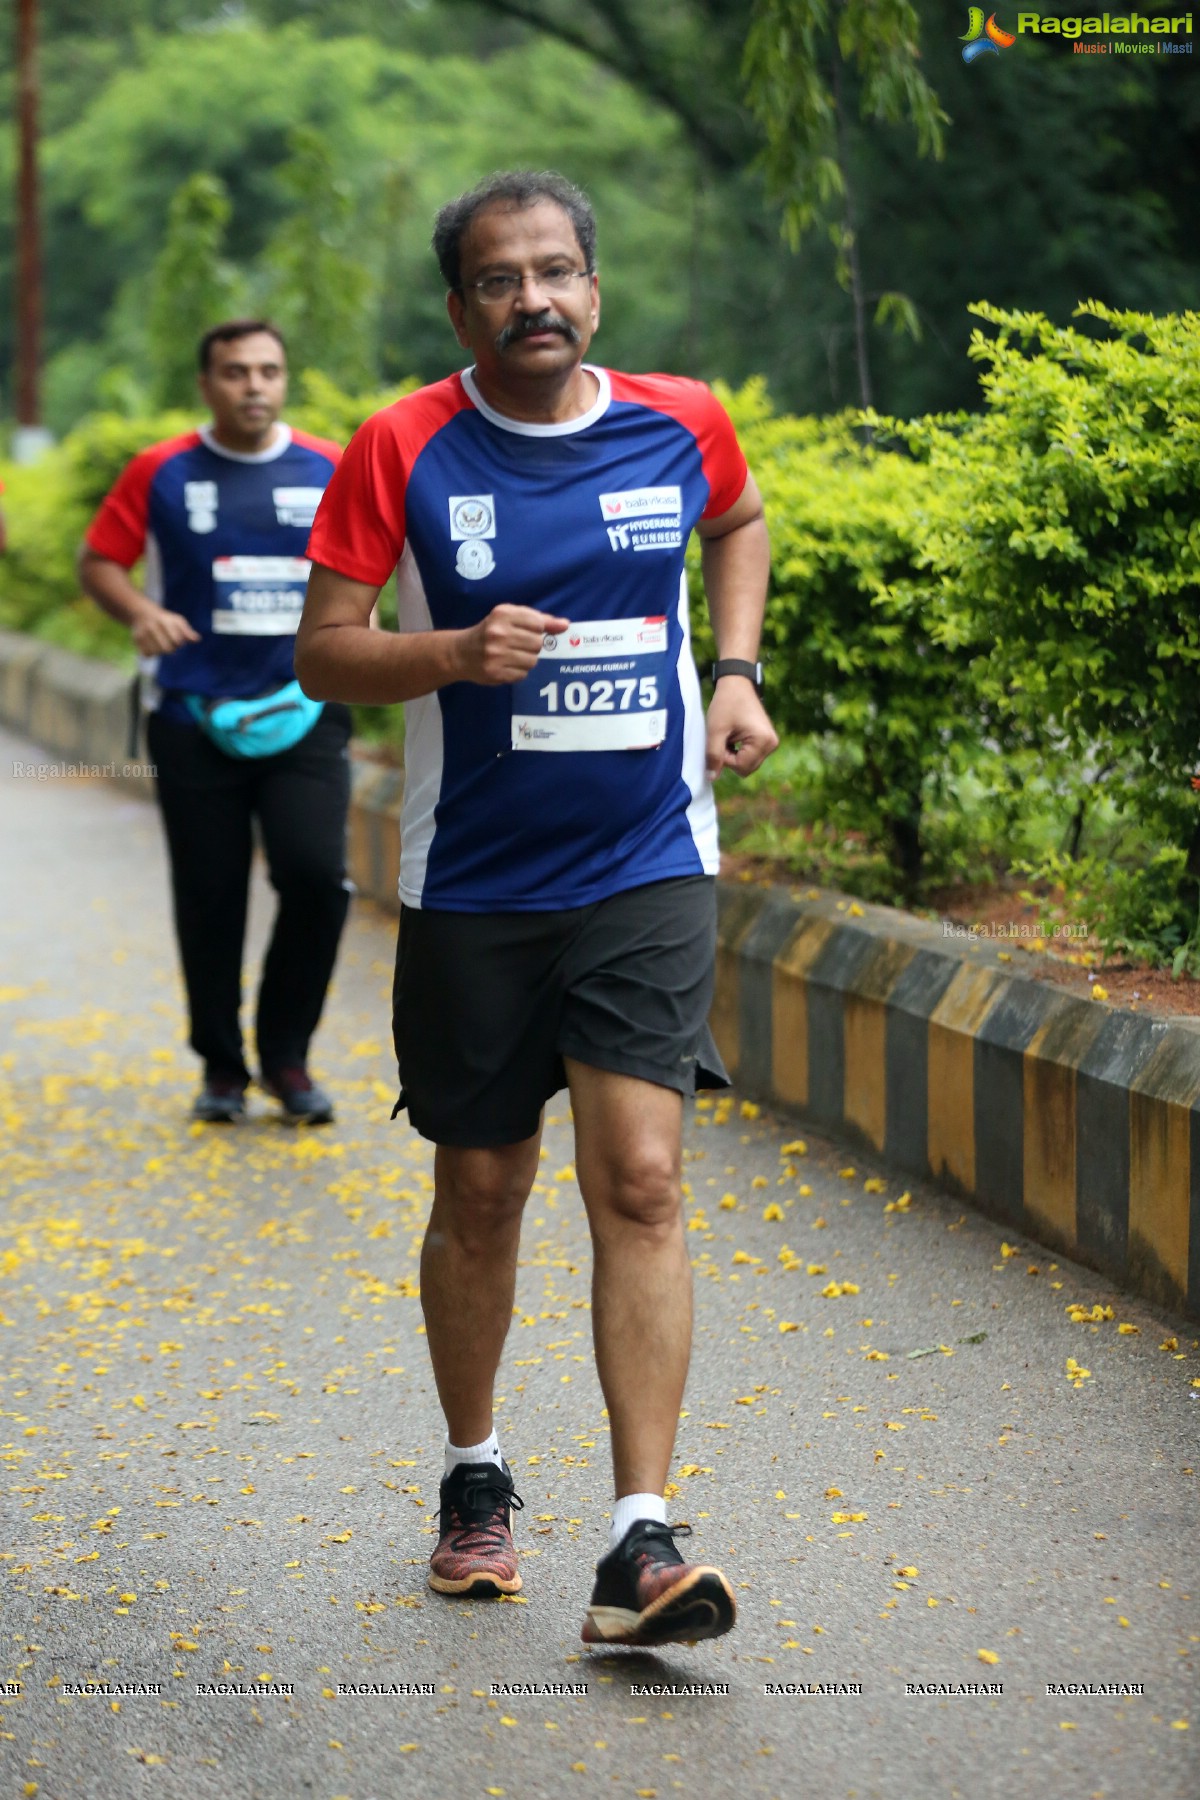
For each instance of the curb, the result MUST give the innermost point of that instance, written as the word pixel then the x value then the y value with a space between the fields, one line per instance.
pixel 75 705
pixel 1069 1121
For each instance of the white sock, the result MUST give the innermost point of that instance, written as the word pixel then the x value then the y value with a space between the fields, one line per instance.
pixel 632 1507
pixel 488 1451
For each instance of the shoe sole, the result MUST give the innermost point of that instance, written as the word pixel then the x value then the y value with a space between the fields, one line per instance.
pixel 702 1606
pixel 479 1587
pixel 219 1118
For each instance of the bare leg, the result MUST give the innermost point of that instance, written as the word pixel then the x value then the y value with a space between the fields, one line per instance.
pixel 469 1274
pixel 628 1137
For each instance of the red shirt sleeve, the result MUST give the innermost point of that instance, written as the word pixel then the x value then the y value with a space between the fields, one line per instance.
pixel 721 454
pixel 697 409
pixel 118 530
pixel 359 527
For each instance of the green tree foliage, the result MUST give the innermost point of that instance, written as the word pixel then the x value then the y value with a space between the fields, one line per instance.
pixel 398 135
pixel 1058 180
pixel 319 294
pixel 191 286
pixel 683 57
pixel 800 56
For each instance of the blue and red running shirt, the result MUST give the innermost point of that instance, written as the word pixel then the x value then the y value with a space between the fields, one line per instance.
pixel 223 535
pixel 588 776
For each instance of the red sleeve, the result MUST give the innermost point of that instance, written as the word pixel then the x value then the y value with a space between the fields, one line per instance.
pixel 118 530
pixel 359 529
pixel 724 463
pixel 696 408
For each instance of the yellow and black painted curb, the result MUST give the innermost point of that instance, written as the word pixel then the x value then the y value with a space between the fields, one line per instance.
pixel 1071 1121
pixel 1068 1120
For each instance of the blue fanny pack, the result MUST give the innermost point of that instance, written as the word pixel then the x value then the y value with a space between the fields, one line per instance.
pixel 262 726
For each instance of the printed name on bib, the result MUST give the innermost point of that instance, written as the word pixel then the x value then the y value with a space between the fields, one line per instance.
pixel 258 596
pixel 599 685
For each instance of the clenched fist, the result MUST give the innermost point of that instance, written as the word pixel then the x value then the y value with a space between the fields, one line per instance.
pixel 156 632
pixel 504 646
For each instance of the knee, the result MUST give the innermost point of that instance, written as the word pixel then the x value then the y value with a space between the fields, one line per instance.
pixel 642 1189
pixel 479 1209
pixel 309 879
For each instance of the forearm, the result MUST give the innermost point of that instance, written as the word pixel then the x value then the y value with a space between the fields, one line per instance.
pixel 378 668
pixel 736 568
pixel 112 588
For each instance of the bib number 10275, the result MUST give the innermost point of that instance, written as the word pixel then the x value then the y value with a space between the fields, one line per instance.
pixel 599 685
pixel 601 696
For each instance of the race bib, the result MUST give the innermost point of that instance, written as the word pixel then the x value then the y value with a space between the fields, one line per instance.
pixel 599 685
pixel 258 596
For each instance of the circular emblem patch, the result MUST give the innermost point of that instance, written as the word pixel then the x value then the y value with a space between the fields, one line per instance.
pixel 473 518
pixel 474 559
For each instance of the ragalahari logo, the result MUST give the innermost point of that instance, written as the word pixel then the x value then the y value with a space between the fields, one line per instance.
pixel 984 38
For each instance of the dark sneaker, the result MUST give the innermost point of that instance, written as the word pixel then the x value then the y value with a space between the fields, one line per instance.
pixel 475 1552
pixel 646 1594
pixel 300 1096
pixel 221 1101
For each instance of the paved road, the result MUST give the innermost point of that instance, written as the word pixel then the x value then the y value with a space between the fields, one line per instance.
pixel 221 1444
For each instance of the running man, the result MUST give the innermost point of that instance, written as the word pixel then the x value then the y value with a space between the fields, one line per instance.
pixel 559 836
pixel 221 516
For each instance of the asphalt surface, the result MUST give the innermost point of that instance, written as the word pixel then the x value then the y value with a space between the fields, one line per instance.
pixel 221 1444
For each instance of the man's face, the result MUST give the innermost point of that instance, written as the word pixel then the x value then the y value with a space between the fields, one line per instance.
pixel 245 386
pixel 533 331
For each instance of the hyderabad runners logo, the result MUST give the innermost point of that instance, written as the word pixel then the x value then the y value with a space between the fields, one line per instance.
pixel 984 38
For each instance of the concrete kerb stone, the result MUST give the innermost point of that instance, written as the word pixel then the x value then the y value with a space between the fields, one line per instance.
pixel 19 657
pixel 1068 1120
pixel 76 706
pixel 376 796
pixel 1072 1121
pixel 80 707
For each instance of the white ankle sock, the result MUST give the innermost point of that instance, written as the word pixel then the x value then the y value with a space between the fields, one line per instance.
pixel 632 1507
pixel 488 1451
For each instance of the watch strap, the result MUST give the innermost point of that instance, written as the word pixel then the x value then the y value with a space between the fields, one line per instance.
pixel 735 665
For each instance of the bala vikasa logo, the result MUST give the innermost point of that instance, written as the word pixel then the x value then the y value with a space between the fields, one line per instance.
pixel 984 38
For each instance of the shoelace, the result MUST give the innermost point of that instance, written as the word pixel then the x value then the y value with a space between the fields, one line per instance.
pixel 486 1534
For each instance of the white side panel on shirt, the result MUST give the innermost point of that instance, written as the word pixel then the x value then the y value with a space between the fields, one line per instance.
pixel 423 747
pixel 702 809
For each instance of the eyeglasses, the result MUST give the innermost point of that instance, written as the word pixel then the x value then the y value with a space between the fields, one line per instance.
pixel 495 289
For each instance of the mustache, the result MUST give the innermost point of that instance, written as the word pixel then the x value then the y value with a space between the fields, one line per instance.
pixel 543 321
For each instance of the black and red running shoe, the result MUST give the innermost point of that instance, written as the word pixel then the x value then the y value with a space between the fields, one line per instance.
pixel 475 1553
pixel 646 1594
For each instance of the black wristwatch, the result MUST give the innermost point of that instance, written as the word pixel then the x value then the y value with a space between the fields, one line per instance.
pixel 733 665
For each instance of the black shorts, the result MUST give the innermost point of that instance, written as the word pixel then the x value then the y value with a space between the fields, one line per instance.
pixel 485 1006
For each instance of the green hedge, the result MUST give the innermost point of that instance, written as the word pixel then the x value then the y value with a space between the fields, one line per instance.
pixel 1066 548
pixel 858 651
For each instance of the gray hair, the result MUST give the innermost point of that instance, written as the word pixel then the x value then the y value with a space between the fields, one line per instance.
pixel 515 190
